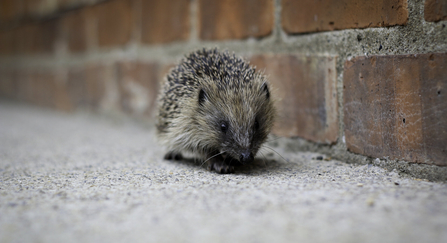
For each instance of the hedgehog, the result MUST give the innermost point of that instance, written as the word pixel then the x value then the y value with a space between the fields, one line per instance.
pixel 216 106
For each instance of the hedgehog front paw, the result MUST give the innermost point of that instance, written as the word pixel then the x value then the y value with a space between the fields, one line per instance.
pixel 220 166
pixel 173 156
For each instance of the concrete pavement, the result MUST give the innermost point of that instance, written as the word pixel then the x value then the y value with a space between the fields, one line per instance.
pixel 83 178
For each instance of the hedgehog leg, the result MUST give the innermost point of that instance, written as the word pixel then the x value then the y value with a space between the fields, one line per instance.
pixel 220 165
pixel 171 155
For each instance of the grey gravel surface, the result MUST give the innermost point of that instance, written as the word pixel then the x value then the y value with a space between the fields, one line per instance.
pixel 81 178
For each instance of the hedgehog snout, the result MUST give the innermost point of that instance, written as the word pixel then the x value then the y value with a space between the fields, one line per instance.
pixel 246 157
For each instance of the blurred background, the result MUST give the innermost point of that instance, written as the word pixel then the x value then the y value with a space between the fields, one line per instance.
pixel 333 64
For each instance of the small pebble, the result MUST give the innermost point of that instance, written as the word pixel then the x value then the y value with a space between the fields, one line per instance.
pixel 11 204
pixel 370 202
pixel 319 158
pixel 396 183
pixel 360 184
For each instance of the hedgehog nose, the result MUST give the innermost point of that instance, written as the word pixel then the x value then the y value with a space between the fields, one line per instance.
pixel 246 157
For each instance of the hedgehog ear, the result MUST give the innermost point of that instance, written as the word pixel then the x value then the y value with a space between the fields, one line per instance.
pixel 202 96
pixel 265 89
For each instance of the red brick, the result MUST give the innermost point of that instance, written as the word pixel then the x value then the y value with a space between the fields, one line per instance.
pixel 8 84
pixel 24 85
pixel 304 88
pixel 10 10
pixel 74 29
pixel 61 96
pixel 235 19
pixel 114 22
pixel 44 88
pixel 76 86
pixel 396 107
pixel 301 16
pixel 138 84
pixel 25 39
pixel 36 38
pixel 165 21
pixel 41 87
pixel 8 41
pixel 47 36
pixel 435 10
pixel 95 80
pixel 87 86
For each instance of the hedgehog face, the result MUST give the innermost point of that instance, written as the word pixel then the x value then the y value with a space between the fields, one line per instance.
pixel 238 119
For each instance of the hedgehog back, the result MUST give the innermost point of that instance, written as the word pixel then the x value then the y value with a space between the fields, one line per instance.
pixel 199 69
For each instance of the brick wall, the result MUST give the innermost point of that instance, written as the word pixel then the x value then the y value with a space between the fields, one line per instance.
pixel 364 77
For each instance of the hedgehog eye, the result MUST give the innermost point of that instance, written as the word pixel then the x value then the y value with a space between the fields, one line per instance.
pixel 224 127
pixel 256 125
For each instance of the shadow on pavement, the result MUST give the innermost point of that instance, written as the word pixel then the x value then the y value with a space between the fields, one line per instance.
pixel 258 166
